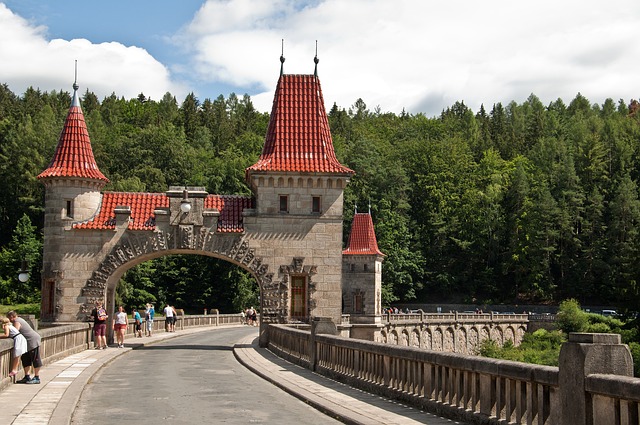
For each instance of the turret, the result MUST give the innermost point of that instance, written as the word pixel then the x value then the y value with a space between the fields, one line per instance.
pixel 72 193
pixel 362 269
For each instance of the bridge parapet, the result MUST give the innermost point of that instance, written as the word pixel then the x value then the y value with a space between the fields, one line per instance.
pixel 473 389
pixel 452 332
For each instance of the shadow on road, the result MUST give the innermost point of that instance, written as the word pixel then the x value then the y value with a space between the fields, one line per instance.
pixel 181 347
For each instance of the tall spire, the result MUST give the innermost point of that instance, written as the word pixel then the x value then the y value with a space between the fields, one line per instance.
pixel 74 156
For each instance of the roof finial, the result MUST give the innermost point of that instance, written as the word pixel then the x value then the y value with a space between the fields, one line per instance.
pixel 75 79
pixel 76 100
pixel 356 209
pixel 282 59
pixel 316 60
pixel 369 206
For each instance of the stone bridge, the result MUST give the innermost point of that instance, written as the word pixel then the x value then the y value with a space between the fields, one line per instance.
pixel 452 332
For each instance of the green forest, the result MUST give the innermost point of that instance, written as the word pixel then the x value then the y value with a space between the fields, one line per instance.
pixel 516 203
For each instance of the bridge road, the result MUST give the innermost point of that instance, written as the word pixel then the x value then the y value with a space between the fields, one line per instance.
pixel 190 379
pixel 196 379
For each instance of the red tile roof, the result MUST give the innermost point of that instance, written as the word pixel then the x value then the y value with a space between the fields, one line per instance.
pixel 362 239
pixel 74 155
pixel 298 138
pixel 143 204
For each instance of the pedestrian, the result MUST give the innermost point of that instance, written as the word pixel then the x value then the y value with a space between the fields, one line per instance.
pixel 243 317
pixel 168 318
pixel 31 361
pixel 138 323
pixel 19 344
pixel 120 326
pixel 254 317
pixel 148 317
pixel 100 317
pixel 249 315
pixel 175 319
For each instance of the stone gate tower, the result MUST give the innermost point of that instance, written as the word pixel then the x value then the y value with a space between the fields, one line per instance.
pixel 288 235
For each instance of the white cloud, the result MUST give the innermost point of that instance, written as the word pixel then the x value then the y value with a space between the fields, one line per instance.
pixel 420 55
pixel 30 59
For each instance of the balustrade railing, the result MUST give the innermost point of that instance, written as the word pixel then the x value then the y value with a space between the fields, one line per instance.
pixel 461 387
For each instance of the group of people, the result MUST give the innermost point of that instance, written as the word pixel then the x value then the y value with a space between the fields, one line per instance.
pixel 26 347
pixel 121 321
pixel 251 316
pixel 26 341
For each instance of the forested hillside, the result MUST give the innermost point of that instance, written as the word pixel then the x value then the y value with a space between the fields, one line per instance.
pixel 513 203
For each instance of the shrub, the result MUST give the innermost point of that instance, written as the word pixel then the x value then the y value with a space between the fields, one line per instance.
pixel 571 318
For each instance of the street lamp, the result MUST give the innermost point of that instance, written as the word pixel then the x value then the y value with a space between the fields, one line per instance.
pixel 185 204
pixel 23 273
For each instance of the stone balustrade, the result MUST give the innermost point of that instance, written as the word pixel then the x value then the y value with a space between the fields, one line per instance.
pixel 475 389
pixel 453 332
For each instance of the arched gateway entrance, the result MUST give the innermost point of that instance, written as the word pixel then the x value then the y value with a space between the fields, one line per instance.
pixel 288 234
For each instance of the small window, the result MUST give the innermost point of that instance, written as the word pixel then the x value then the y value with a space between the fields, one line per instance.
pixel 315 204
pixel 69 211
pixel 366 267
pixel 284 203
pixel 352 267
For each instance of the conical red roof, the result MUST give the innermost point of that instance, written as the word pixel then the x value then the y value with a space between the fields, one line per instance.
pixel 298 138
pixel 74 155
pixel 362 239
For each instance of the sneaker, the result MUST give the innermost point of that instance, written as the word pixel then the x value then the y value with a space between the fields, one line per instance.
pixel 24 380
pixel 34 380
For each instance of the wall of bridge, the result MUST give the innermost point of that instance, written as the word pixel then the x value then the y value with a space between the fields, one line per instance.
pixel 452 332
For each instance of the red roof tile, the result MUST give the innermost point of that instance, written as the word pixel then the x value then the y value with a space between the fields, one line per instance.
pixel 362 239
pixel 74 155
pixel 143 204
pixel 298 137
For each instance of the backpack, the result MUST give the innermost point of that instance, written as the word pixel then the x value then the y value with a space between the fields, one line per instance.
pixel 102 314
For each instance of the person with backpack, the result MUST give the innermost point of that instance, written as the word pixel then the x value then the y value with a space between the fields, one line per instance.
pixel 138 323
pixel 150 312
pixel 100 317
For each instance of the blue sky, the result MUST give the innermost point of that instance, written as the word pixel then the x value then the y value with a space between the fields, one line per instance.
pixel 416 55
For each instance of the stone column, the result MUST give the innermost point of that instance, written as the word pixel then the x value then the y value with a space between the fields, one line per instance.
pixel 582 355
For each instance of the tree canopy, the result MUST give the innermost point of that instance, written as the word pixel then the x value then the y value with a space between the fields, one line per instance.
pixel 513 203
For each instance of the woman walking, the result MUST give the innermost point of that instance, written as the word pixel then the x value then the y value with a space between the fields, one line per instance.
pixel 120 326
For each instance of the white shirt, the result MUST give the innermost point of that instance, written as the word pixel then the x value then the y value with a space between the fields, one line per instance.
pixel 168 311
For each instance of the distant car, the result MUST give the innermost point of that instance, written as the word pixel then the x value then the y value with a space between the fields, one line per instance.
pixel 609 313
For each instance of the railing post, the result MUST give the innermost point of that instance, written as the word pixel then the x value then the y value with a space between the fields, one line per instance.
pixel 582 355
pixel 319 325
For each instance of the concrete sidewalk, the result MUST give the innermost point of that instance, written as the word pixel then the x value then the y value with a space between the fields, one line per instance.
pixel 55 399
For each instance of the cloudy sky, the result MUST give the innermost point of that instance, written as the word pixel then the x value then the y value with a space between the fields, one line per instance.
pixel 417 55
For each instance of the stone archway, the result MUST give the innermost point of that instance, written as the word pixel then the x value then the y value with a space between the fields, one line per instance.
pixel 232 248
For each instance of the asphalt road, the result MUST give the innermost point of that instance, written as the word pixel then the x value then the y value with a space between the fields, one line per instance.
pixel 192 379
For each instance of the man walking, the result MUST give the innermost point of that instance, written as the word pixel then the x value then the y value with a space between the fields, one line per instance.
pixel 31 359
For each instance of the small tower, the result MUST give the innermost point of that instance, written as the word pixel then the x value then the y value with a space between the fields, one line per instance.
pixel 72 193
pixel 362 269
